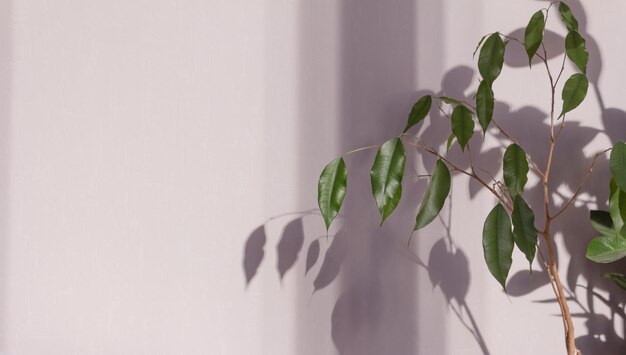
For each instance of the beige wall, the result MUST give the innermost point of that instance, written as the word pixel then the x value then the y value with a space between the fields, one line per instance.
pixel 143 142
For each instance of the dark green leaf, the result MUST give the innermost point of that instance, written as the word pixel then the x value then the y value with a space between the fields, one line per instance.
pixel 331 189
pixel 484 104
pixel 617 163
pixel 386 176
pixel 482 39
pixel 533 36
pixel 575 50
pixel 515 169
pixel 601 222
pixel 450 100
pixel 574 92
pixel 491 58
pixel 419 111
pixel 524 230
pixel 435 196
pixel 498 243
pixel 462 125
pixel 568 18
pixel 606 249
pixel 618 279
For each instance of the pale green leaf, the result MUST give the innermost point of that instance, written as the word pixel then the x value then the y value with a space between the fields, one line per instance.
pixel 606 249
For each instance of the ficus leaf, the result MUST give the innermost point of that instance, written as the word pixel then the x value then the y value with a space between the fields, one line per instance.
pixel 435 196
pixel 450 100
pixel 601 221
pixel 574 92
pixel 331 189
pixel 449 142
pixel 533 36
pixel 575 50
pixel 484 104
pixel 617 162
pixel 462 125
pixel 567 17
pixel 515 169
pixel 491 57
pixel 498 243
pixel 617 278
pixel 617 206
pixel 482 39
pixel 606 249
pixel 524 231
pixel 386 176
pixel 419 111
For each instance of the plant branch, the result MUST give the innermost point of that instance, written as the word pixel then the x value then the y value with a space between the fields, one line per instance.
pixel 582 183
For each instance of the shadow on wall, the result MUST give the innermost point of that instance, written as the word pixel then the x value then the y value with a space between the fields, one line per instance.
pixel 376 310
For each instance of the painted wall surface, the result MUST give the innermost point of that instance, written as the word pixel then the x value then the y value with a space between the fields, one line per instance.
pixel 159 164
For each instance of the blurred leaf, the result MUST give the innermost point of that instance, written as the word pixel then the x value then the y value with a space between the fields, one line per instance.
pixel 515 169
pixel 435 197
pixel 606 249
pixel 574 92
pixel 617 163
pixel 386 176
pixel 491 58
pixel 450 100
pixel 419 111
pixel 618 279
pixel 533 36
pixel 449 142
pixel 482 39
pixel 524 230
pixel 617 204
pixel 331 189
pixel 567 17
pixel 484 104
pixel 462 125
pixel 498 243
pixel 575 50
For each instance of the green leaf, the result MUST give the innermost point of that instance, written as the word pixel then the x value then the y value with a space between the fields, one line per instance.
pixel 435 196
pixel 524 230
pixel 462 125
pixel 449 142
pixel 491 58
pixel 515 169
pixel 575 50
pixel 498 243
pixel 601 222
pixel 533 36
pixel 419 111
pixel 484 104
pixel 618 279
pixel 574 92
pixel 606 249
pixel 617 206
pixel 450 100
pixel 617 162
pixel 482 39
pixel 568 18
pixel 331 189
pixel 386 176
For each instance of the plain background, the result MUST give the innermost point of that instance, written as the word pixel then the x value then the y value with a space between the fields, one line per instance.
pixel 151 153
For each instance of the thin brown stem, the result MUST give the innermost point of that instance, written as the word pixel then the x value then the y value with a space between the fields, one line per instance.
pixel 533 165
